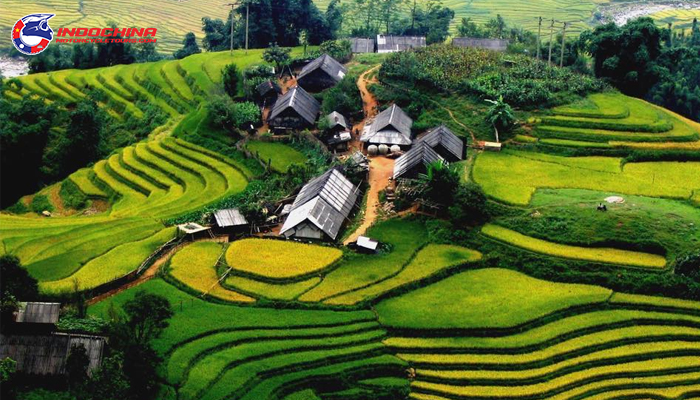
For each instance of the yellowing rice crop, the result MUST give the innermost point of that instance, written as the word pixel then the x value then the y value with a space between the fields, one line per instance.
pixel 195 267
pixel 606 255
pixel 279 259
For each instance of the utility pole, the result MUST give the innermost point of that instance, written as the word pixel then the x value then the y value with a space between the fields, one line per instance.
pixel 247 15
pixel 231 45
pixel 563 45
pixel 551 35
pixel 539 34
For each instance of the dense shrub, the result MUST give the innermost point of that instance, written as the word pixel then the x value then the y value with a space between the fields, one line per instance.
pixel 344 98
pixel 40 203
pixel 71 195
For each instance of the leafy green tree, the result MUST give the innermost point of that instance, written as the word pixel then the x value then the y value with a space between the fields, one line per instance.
pixel 109 382
pixel 340 49
pixel 500 115
pixel 688 265
pixel 626 55
pixel 77 364
pixel 8 367
pixel 334 17
pixel 147 316
pixel 81 147
pixel 469 28
pixel 246 114
pixel 230 79
pixel 189 47
pixel 278 56
pixel 469 205
pixel 146 52
pixel 15 279
pixel 216 37
pixel 440 181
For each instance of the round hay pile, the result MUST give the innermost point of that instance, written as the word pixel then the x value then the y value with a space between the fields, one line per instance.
pixel 614 200
pixel 372 150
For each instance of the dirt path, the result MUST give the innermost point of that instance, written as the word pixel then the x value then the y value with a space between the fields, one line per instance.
pixel 150 273
pixel 380 168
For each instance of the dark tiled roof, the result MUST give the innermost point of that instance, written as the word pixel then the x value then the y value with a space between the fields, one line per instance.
pixel 266 86
pixel 443 136
pixel 229 217
pixel 386 43
pixel 327 64
pixel 490 44
pixel 391 126
pixel 362 45
pixel 38 313
pixel 300 101
pixel 325 202
pixel 336 119
pixel 420 153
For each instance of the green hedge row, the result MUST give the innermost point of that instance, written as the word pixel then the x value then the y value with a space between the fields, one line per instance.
pixel 655 127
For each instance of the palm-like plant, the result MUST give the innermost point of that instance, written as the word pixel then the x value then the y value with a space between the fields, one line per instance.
pixel 500 115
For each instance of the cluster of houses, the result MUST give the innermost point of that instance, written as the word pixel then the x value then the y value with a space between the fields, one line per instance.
pixel 393 44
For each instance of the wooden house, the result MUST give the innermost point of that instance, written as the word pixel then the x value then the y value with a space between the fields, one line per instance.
pixel 230 221
pixel 321 73
pixel 488 44
pixel 393 44
pixel 337 135
pixel 321 207
pixel 268 91
pixel 445 143
pixel 390 127
pixel 415 161
pixel 296 109
pixel 362 45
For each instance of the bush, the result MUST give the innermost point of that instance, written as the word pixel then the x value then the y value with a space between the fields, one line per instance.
pixel 71 195
pixel 689 265
pixel 344 98
pixel 40 203
pixel 469 207
pixel 230 78
pixel 340 49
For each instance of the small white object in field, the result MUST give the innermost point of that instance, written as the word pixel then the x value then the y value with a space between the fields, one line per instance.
pixel 614 200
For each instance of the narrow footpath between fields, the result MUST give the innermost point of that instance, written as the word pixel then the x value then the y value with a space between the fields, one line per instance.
pixel 380 168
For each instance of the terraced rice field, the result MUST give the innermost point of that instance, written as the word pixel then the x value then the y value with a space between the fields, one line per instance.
pixel 680 18
pixel 513 176
pixel 603 255
pixel 215 351
pixel 147 184
pixel 613 120
pixel 498 343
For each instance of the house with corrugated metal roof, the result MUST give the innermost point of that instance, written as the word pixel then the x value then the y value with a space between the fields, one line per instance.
pixel 488 44
pixel 393 44
pixel 296 109
pixel 362 45
pixel 416 161
pixel 321 207
pixel 445 143
pixel 230 221
pixel 321 73
pixel 391 126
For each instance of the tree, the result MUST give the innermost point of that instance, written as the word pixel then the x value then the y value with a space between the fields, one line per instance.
pixel 147 316
pixel 469 205
pixel 189 47
pixel 469 28
pixel 440 181
pixel 500 115
pixel 496 27
pixel 15 279
pixel 334 18
pixel 688 265
pixel 626 55
pixel 109 381
pixel 146 52
pixel 230 79
pixel 279 56
pixel 77 364
pixel 340 49
pixel 216 37
pixel 81 147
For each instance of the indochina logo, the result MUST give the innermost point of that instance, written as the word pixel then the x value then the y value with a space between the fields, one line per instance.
pixel 32 34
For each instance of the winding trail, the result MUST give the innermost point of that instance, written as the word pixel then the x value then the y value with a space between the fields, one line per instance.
pixel 380 168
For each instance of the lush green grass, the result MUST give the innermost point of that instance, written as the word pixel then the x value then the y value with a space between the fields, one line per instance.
pixel 195 266
pixel 513 176
pixel 502 297
pixel 279 259
pixel 646 224
pixel 275 291
pixel 279 155
pixel 601 254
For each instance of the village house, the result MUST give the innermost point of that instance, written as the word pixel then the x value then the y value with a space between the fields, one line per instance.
pixel 415 161
pixel 321 73
pixel 230 221
pixel 321 207
pixel 390 127
pixel 445 143
pixel 337 134
pixel 488 44
pixel 268 91
pixel 393 44
pixel 362 45
pixel 32 341
pixel 296 109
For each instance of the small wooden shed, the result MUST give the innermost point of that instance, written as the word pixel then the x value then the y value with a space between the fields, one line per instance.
pixel 230 221
pixel 268 91
pixel 362 45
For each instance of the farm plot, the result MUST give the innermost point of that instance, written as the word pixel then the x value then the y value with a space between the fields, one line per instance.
pixel 581 346
pixel 279 155
pixel 148 183
pixel 513 176
pixel 602 119
pixel 275 259
pixel 216 351
pixel 601 254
